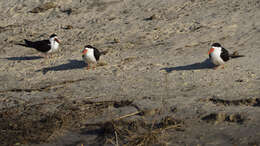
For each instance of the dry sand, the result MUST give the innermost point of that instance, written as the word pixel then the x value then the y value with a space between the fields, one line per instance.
pixel 156 68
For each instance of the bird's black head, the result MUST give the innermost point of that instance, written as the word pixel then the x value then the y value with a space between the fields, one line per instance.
pixel 53 35
pixel 89 46
pixel 216 45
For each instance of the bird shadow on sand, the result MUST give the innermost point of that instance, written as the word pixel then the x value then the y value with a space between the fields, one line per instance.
pixel 23 58
pixel 206 64
pixel 73 64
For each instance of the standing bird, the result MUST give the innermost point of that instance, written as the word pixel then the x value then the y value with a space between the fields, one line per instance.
pixel 219 55
pixel 91 55
pixel 44 46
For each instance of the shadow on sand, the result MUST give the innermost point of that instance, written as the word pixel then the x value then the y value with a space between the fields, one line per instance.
pixel 206 64
pixel 73 64
pixel 23 58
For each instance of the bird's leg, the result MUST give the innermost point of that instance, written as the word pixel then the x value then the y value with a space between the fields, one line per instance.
pixel 42 55
pixel 93 67
pixel 46 56
pixel 87 68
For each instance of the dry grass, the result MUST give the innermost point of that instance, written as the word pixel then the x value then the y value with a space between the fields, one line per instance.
pixel 44 7
pixel 128 59
pixel 101 63
pixel 138 132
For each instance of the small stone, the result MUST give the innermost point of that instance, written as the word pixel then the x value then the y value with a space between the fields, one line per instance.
pixel 68 27
pixel 195 26
pixel 116 40
pixel 67 11
pixel 151 17
pixel 240 80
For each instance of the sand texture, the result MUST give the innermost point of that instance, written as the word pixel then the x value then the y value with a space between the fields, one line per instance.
pixel 155 85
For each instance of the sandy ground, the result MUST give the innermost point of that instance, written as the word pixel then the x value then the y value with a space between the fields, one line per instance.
pixel 156 68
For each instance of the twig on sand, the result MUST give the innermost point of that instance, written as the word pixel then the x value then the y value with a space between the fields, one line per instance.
pixel 90 97
pixel 172 127
pixel 128 115
pixel 117 144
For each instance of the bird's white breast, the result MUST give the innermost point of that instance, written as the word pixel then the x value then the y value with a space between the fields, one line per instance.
pixel 54 45
pixel 89 57
pixel 215 56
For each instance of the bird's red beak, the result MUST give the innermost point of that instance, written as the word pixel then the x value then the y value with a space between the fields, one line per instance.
pixel 84 51
pixel 211 50
pixel 55 39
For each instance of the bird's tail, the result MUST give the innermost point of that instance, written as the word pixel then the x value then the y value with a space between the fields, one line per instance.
pixel 236 55
pixel 28 43
pixel 103 52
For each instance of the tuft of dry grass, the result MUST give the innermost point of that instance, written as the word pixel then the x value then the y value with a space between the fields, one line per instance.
pixel 44 7
pixel 101 64
pixel 128 59
pixel 137 132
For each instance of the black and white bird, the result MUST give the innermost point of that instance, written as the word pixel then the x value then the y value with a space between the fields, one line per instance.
pixel 219 55
pixel 91 55
pixel 45 46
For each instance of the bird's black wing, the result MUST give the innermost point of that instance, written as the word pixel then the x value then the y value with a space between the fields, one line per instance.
pixel 224 54
pixel 42 46
pixel 96 53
